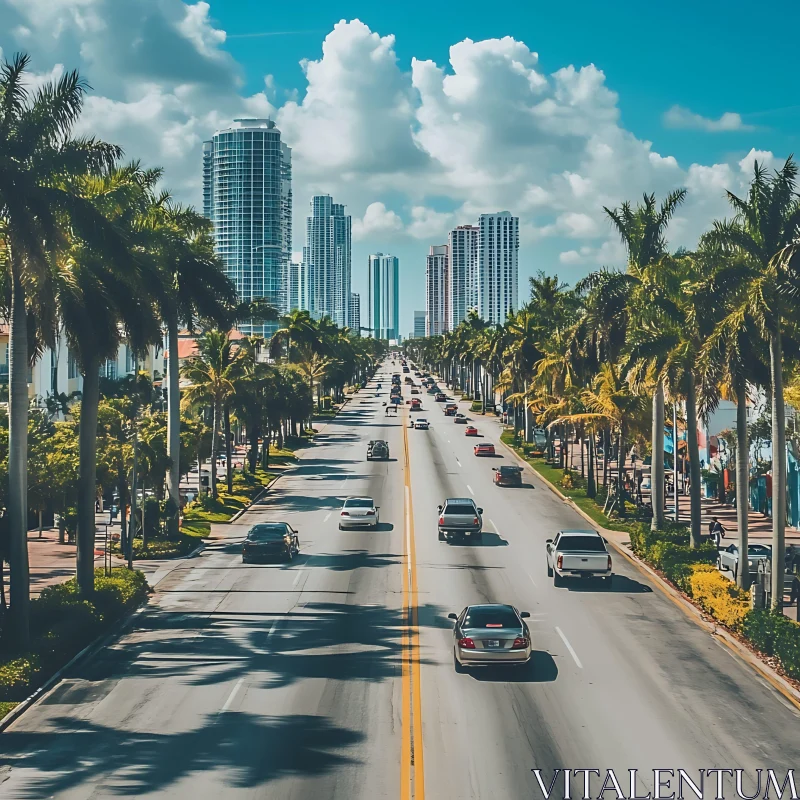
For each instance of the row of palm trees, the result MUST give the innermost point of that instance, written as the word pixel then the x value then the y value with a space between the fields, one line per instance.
pixel 718 322
pixel 91 248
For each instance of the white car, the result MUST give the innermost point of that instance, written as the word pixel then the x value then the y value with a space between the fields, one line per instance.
pixel 421 424
pixel 359 512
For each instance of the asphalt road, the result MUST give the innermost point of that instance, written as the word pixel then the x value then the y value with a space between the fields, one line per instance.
pixel 292 681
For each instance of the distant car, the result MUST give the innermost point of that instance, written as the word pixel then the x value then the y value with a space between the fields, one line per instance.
pixel 508 475
pixel 470 430
pixel 461 419
pixel 440 397
pixel 483 449
pixel 578 554
pixel 421 424
pixel 433 390
pixel 397 400
pixel 415 404
pixel 270 540
pixel 379 449
pixel 728 558
pixel 358 512
pixel 490 634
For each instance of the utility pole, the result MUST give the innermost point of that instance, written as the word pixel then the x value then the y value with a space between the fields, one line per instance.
pixel 132 526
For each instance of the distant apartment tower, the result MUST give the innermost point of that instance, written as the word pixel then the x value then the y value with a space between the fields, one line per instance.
pixel 463 273
pixel 355 313
pixel 247 194
pixel 498 265
pixel 326 260
pixel 437 305
pixel 419 324
pixel 297 286
pixel 384 296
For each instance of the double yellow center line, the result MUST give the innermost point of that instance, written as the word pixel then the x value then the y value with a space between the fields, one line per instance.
pixel 412 770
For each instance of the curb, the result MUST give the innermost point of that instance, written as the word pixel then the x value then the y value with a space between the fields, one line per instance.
pixel 117 629
pixel 695 614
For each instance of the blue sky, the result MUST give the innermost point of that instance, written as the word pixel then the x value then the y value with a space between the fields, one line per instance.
pixel 551 111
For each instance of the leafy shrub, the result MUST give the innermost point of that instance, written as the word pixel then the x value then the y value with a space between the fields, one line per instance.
pixel 567 481
pixel 775 635
pixel 477 405
pixel 718 596
pixel 16 676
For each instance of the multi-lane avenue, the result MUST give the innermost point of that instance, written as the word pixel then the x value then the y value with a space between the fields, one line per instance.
pixel 333 676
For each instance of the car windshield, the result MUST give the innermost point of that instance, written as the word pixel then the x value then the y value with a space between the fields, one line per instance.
pixel 460 508
pixel 358 502
pixel 267 533
pixel 592 544
pixel 758 550
pixel 508 470
pixel 491 618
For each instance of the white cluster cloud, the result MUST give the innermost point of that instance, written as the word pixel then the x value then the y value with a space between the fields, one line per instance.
pixel 679 117
pixel 412 149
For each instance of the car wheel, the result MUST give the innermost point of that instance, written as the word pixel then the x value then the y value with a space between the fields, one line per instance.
pixel 441 536
pixel 557 580
pixel 459 668
pixel 549 571
pixel 341 527
pixel 719 563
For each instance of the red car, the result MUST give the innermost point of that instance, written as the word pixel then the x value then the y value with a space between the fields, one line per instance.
pixel 483 449
pixel 508 476
pixel 470 430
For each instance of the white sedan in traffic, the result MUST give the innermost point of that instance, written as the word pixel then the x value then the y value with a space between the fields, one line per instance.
pixel 359 512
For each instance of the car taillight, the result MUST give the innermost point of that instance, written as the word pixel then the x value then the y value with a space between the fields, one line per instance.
pixel 520 643
pixel 609 562
pixel 475 521
pixel 466 643
pixel 441 520
pixel 560 562
pixel 370 513
pixel 345 513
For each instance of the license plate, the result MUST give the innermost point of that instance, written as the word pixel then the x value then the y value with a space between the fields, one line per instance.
pixel 493 643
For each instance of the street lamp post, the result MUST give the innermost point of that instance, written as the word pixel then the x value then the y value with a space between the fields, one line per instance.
pixel 132 525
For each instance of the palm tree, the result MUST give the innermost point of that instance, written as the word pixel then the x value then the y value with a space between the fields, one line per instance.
pixel 38 157
pixel 297 328
pixel 101 301
pixel 642 231
pixel 766 223
pixel 212 374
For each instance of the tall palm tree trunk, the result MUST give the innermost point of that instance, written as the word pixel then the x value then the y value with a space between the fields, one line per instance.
pixel 778 468
pixel 19 593
pixel 173 420
pixel 87 476
pixel 657 461
pixel 214 439
pixel 591 486
pixel 228 462
pixel 742 476
pixel 694 461
pixel 621 468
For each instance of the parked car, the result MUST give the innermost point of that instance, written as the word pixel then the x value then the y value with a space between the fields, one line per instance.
pixel 728 558
pixel 490 634
pixel 421 424
pixel 578 554
pixel 379 449
pixel 470 430
pixel 270 540
pixel 507 475
pixel 359 512
pixel 461 419
pixel 460 518
pixel 483 449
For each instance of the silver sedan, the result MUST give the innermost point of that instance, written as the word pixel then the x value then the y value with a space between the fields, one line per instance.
pixel 490 634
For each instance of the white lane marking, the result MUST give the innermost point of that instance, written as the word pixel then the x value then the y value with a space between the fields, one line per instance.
pixel 532 580
pixel 232 696
pixel 448 441
pixel 569 647
pixel 273 628
pixel 295 581
pixel 470 490
pixel 327 516
pixel 458 462
pixel 494 525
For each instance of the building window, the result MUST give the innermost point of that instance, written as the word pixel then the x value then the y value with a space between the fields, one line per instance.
pixel 72 366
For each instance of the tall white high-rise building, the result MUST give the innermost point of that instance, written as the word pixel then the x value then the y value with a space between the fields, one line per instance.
pixel 498 265
pixel 297 286
pixel 247 194
pixel 437 305
pixel 419 324
pixel 326 259
pixel 463 273
pixel 384 296
pixel 355 313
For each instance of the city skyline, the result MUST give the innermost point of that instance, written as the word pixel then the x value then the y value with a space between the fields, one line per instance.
pixel 384 295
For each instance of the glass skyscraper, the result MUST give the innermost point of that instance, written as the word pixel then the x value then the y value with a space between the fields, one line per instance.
pixel 247 194
pixel 384 296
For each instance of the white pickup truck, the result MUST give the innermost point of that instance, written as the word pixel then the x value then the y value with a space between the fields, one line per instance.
pixel 578 554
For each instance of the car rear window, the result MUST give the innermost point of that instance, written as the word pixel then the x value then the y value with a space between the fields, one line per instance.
pixel 592 544
pixel 459 508
pixel 509 470
pixel 267 533
pixel 758 550
pixel 358 503
pixel 491 618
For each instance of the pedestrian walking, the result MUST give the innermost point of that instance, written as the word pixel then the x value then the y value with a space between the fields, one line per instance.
pixel 716 531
